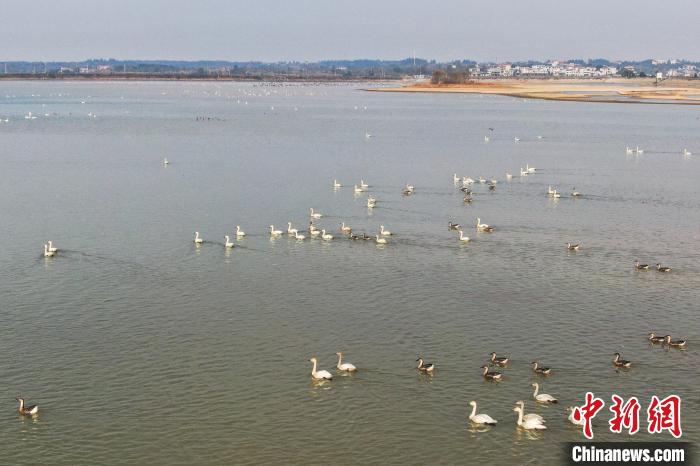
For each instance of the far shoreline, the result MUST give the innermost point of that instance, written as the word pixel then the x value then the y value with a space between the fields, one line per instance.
pixel 610 90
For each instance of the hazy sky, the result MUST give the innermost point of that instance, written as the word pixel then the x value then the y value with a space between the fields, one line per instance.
pixel 273 30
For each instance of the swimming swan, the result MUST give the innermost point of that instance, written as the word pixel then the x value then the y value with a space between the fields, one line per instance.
pixel 319 375
pixel 239 233
pixel 274 232
pixel 313 214
pixel 326 236
pixel 347 367
pixel 462 238
pixel 51 248
pixel 48 253
pixel 197 239
pixel 228 243
pixel 542 397
pixel 530 416
pixel 483 226
pixel 528 423
pixel 480 418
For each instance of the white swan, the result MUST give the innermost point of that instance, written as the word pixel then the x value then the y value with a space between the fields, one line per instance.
pixel 298 236
pixel 358 189
pixel 371 202
pixel 580 422
pixel 319 375
pixel 228 242
pixel 380 240
pixel 462 238
pixel 467 180
pixel 530 416
pixel 455 178
pixel 326 236
pixel 48 253
pixel 363 185
pixel 291 231
pixel 51 248
pixel 487 139
pixel 516 139
pixel 347 367
pixel 550 191
pixel 480 418
pixel 509 176
pixel 384 232
pixel 313 214
pixel 483 226
pixel 530 169
pixel 345 229
pixel 165 161
pixel 274 232
pixel 542 397
pixel 197 239
pixel 336 184
pixel 687 153
pixel 523 172
pixel 556 195
pixel 239 233
pixel 628 150
pixel 528 423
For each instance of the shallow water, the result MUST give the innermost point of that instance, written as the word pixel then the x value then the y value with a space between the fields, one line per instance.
pixel 140 347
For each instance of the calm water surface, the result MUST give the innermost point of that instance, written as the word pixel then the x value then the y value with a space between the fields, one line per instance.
pixel 141 348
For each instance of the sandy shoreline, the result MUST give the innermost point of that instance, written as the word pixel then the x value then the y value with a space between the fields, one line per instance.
pixel 608 91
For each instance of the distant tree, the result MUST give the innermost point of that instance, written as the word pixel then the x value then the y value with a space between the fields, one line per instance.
pixel 642 74
pixel 453 75
pixel 439 77
pixel 627 73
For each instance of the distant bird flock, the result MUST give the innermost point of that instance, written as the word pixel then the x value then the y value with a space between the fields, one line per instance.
pixel 529 421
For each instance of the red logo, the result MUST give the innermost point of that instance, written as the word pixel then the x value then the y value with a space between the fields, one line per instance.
pixel 665 415
pixel 587 412
pixel 626 415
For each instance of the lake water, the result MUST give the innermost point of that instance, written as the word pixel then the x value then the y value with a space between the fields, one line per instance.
pixel 140 347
